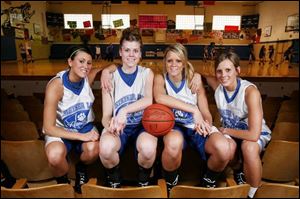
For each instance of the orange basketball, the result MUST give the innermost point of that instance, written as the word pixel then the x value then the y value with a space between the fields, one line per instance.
pixel 158 120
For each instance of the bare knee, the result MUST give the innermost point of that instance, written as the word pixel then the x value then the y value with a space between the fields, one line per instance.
pixel 91 150
pixel 147 150
pixel 56 156
pixel 172 148
pixel 107 150
pixel 146 147
pixel 250 150
pixel 220 147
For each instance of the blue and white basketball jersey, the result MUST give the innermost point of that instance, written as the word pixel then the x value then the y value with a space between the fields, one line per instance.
pixel 74 111
pixel 127 89
pixel 233 109
pixel 183 93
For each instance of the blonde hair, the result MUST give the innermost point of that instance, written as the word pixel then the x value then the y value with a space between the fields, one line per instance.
pixel 181 52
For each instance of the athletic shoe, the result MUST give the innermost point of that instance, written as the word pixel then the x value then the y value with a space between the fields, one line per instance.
pixel 208 183
pixel 239 178
pixel 170 185
pixel 143 184
pixel 111 184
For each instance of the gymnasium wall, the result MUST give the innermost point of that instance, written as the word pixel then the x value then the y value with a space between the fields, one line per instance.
pixel 266 9
pixel 40 50
pixel 275 14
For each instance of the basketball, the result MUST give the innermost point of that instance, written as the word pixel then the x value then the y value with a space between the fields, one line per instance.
pixel 158 119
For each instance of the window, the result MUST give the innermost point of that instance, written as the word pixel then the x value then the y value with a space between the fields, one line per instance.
pixel 78 21
pixel 220 21
pixel 189 22
pixel 115 21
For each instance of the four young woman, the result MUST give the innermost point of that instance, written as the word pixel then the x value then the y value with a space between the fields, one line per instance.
pixel 69 116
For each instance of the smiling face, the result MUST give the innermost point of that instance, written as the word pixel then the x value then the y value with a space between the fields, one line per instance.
pixel 174 65
pixel 130 53
pixel 227 73
pixel 80 66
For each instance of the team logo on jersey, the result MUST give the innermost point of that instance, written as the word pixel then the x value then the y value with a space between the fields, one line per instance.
pixel 77 120
pixel 183 117
pixel 230 120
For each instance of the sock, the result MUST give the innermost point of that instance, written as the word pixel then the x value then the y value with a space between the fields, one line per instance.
pixel 144 176
pixel 252 191
pixel 113 175
pixel 81 167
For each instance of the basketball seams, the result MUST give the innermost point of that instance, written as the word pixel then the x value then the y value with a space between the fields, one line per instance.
pixel 158 119
pixel 169 112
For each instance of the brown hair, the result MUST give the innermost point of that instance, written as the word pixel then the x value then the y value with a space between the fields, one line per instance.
pixel 131 35
pixel 231 56
pixel 181 52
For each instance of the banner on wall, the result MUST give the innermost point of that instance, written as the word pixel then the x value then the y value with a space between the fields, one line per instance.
pixel 72 24
pixel 118 23
pixel 86 24
pixel 231 28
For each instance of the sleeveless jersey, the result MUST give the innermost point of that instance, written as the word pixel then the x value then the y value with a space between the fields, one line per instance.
pixel 74 111
pixel 183 93
pixel 233 110
pixel 127 89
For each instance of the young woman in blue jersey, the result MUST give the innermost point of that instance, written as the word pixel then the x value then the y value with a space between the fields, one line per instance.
pixel 193 121
pixel 123 108
pixel 240 106
pixel 68 117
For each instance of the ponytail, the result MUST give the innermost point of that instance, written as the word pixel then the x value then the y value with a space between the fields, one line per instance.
pixel 189 73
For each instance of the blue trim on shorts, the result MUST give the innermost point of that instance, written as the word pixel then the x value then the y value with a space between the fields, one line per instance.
pixel 87 128
pixel 194 139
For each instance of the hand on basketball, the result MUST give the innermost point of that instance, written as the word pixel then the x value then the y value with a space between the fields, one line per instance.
pixel 106 80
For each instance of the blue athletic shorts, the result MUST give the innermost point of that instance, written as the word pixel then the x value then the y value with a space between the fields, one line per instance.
pixel 76 144
pixel 130 134
pixel 194 139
